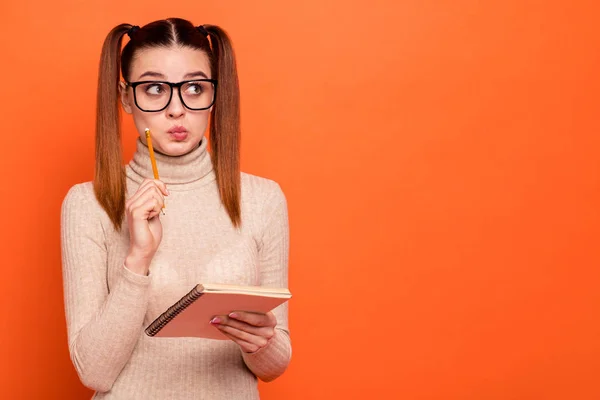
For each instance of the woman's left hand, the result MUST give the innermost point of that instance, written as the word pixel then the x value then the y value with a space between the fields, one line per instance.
pixel 251 331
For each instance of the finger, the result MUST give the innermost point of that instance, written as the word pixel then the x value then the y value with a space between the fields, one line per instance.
pixel 147 209
pixel 245 346
pixel 244 336
pixel 151 192
pixel 140 190
pixel 264 331
pixel 146 183
pixel 256 319
pixel 143 208
pixel 156 210
pixel 162 186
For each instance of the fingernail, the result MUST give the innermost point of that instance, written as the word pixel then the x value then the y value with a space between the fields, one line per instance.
pixel 215 320
pixel 233 315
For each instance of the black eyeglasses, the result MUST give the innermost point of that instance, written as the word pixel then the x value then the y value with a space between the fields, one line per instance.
pixel 154 96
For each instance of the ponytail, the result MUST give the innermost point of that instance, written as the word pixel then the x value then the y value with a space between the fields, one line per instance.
pixel 109 181
pixel 225 123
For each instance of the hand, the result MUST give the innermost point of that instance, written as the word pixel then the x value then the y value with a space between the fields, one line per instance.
pixel 145 230
pixel 251 331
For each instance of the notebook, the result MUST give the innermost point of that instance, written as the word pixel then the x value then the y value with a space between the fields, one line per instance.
pixel 190 316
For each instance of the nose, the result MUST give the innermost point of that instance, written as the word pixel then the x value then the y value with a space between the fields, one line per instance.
pixel 175 109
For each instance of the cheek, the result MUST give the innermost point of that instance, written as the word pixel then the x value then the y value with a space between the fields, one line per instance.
pixel 142 121
pixel 199 121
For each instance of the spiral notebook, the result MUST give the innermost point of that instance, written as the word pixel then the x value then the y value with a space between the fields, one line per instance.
pixel 190 316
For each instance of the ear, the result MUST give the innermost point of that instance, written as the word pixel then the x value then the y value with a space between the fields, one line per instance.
pixel 126 99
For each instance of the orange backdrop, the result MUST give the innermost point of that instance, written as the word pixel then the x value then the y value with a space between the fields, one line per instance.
pixel 441 165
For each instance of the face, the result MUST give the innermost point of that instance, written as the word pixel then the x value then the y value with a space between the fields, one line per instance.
pixel 176 130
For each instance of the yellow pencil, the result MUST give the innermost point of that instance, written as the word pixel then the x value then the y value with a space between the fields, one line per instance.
pixel 152 159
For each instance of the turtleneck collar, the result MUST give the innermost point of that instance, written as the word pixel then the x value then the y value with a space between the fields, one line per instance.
pixel 185 172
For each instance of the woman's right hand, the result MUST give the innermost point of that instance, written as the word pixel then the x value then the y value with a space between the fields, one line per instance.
pixel 142 211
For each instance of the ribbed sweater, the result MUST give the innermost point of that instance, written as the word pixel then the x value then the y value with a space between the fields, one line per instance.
pixel 107 306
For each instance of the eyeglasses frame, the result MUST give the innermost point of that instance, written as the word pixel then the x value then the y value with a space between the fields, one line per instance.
pixel 172 85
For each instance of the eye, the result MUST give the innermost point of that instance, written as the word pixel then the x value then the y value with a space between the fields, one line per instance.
pixel 155 89
pixel 194 88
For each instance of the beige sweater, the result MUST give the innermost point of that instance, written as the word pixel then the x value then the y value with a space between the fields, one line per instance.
pixel 107 306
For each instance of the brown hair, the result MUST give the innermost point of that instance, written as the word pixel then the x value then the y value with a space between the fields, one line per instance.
pixel 109 181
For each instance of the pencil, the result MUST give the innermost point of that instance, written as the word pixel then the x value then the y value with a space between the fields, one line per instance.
pixel 152 159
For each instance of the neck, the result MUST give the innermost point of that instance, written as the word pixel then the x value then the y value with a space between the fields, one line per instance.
pixel 191 169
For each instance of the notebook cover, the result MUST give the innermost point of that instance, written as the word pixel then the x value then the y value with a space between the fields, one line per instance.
pixel 196 310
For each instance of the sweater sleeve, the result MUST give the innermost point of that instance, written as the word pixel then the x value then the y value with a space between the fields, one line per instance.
pixel 272 360
pixel 103 326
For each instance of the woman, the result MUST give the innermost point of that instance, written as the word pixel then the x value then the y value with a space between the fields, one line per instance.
pixel 124 262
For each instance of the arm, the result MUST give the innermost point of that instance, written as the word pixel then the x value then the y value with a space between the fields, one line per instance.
pixel 103 328
pixel 270 361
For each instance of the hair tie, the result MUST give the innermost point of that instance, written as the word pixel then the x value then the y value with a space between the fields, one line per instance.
pixel 202 30
pixel 132 31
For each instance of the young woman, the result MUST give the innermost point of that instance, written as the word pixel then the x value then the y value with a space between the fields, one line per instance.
pixel 124 262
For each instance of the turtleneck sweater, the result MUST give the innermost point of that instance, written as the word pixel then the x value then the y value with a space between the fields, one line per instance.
pixel 107 306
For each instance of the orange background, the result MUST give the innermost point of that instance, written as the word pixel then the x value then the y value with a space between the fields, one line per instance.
pixel 440 160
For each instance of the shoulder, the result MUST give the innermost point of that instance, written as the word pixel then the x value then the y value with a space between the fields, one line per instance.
pixel 80 195
pixel 263 200
pixel 261 191
pixel 80 203
pixel 82 218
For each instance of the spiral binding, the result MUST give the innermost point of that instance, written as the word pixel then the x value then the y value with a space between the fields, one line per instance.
pixel 172 312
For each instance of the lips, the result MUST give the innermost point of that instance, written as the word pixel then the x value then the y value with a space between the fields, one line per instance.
pixel 177 129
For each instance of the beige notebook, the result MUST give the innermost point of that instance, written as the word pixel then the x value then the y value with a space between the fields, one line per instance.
pixel 191 315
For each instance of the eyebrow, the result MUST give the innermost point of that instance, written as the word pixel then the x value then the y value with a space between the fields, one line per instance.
pixel 161 76
pixel 195 74
pixel 152 74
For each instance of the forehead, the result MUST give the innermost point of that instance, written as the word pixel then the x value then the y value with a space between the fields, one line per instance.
pixel 172 62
